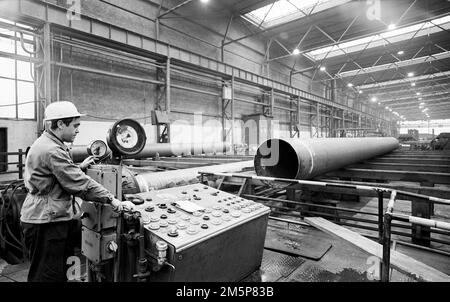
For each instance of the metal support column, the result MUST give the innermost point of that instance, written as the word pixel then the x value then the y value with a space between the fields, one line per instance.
pixel 228 116
pixel 168 98
pixel 47 74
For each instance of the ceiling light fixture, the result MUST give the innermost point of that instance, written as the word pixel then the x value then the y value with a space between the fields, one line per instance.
pixel 296 51
pixel 410 74
pixel 350 85
pixel 360 91
pixel 204 1
pixel 374 99
pixel 391 26
pixel 322 68
pixel 400 52
pixel 417 93
pixel 413 84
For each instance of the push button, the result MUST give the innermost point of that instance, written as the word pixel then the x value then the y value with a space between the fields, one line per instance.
pixel 173 232
pixel 181 225
pixel 235 214
pixel 216 213
pixel 195 221
pixel 192 230
pixel 226 218
pixel 153 226
pixel 216 221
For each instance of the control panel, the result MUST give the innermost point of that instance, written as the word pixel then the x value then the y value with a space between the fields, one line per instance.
pixel 187 215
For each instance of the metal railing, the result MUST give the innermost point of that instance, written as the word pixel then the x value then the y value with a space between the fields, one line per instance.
pixel 19 163
pixel 389 216
pixel 383 224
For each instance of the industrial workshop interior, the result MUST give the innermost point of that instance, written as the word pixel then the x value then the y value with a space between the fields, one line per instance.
pixel 225 141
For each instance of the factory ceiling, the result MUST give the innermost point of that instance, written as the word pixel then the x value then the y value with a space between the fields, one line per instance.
pixel 394 53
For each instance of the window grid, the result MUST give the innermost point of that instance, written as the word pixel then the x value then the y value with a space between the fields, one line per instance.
pixel 20 114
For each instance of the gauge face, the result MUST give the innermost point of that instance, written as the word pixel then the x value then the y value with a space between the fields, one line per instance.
pixel 126 137
pixel 98 148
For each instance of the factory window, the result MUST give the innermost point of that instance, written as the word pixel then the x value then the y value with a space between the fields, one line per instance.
pixel 283 11
pixel 387 37
pixel 17 98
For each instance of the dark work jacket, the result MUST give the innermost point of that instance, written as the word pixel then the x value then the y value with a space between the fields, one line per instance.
pixel 52 179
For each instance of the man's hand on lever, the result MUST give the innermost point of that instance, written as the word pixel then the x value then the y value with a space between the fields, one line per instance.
pixel 119 206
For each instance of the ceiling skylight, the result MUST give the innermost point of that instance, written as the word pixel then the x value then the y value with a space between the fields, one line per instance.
pixel 393 36
pixel 283 11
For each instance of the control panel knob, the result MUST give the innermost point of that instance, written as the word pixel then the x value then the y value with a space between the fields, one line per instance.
pixel 112 246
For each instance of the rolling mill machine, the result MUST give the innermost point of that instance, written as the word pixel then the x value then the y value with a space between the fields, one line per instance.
pixel 192 232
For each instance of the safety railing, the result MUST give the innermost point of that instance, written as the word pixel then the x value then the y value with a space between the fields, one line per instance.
pixel 384 218
pixel 19 163
pixel 389 216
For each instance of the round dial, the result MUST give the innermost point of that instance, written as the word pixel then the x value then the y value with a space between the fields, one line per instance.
pixel 126 137
pixel 97 148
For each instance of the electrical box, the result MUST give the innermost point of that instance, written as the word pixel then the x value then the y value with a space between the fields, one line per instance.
pixel 109 176
pixel 96 246
pixel 99 221
pixel 160 117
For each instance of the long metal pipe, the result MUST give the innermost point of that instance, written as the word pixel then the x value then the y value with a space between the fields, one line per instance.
pixel 159 180
pixel 79 153
pixel 177 149
pixel 307 158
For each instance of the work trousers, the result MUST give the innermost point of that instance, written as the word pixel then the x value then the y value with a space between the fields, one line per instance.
pixel 48 246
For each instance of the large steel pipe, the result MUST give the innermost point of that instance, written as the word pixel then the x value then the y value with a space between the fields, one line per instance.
pixel 305 159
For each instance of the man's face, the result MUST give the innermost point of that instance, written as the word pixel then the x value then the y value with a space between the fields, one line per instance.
pixel 70 132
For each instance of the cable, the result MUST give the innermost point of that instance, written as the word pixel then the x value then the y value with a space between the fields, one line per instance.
pixel 4 210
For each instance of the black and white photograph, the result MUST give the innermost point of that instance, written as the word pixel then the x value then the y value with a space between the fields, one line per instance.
pixel 224 148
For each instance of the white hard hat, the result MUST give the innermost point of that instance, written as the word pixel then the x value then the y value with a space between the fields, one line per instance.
pixel 61 110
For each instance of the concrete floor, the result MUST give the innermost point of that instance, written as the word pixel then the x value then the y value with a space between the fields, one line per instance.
pixel 339 261
pixel 318 257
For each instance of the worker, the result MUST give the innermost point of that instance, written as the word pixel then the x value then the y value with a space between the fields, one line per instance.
pixel 52 180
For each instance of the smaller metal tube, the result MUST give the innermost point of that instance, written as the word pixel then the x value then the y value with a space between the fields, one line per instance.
pixel 385 268
pixel 380 216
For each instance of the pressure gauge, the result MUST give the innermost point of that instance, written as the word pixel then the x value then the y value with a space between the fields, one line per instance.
pixel 126 137
pixel 97 148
